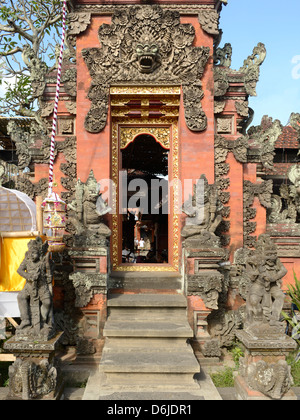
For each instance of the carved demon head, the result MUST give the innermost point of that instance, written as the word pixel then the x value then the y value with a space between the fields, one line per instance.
pixel 148 57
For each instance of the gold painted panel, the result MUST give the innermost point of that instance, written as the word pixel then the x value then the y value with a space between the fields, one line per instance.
pixel 155 128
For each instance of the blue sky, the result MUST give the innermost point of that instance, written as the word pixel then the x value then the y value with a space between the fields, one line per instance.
pixel 276 24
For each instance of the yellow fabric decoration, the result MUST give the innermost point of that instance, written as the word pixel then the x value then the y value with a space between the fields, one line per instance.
pixel 12 254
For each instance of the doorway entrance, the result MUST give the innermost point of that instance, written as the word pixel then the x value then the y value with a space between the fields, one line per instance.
pixel 146 201
pixel 145 165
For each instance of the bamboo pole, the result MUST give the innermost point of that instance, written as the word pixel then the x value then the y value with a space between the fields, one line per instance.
pixel 39 214
pixel 22 234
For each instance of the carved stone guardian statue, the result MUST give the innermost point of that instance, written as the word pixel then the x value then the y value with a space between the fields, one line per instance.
pixel 35 300
pixel 265 297
pixel 264 372
pixel 35 372
pixel 87 210
pixel 203 214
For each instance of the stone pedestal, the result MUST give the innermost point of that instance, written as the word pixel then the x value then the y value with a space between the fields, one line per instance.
pixel 89 278
pixel 204 282
pixel 35 374
pixel 264 373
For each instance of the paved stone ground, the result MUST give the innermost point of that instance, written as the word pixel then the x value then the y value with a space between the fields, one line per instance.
pixel 227 394
pixel 75 394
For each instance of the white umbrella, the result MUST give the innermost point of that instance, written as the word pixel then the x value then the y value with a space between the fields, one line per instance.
pixel 17 211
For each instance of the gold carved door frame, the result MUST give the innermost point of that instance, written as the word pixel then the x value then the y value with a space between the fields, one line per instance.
pixel 125 127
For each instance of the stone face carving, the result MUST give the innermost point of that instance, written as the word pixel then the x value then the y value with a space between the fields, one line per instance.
pixel 35 300
pixel 203 211
pixel 146 44
pixel 88 207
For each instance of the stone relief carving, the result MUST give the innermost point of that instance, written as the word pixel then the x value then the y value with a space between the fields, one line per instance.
pixel 271 379
pixel 27 154
pixel 23 141
pixel 239 148
pixel 248 73
pixel 222 56
pixel 208 284
pixel 221 81
pixel 247 113
pixel 77 23
pixel 264 138
pixel 30 380
pixel 223 324
pixel 209 21
pixel 38 70
pixel 285 207
pixel 85 285
pixel 143 45
pixel 264 192
pixel 295 121
pixel 250 68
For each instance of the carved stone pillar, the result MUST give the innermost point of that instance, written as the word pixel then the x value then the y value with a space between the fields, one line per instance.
pixel 89 279
pixel 35 374
pixel 204 282
pixel 264 373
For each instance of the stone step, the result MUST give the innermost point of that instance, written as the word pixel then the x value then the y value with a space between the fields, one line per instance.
pixel 149 361
pixel 147 300
pixel 146 345
pixel 200 386
pixel 140 313
pixel 147 380
pixel 114 386
pixel 153 343
pixel 146 306
pixel 146 281
pixel 156 328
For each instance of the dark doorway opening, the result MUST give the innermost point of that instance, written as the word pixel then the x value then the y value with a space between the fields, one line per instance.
pixel 145 204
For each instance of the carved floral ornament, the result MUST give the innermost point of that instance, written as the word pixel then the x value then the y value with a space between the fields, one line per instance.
pixel 161 134
pixel 146 44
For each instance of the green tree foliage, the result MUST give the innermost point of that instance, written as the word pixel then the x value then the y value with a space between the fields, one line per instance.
pixel 29 31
